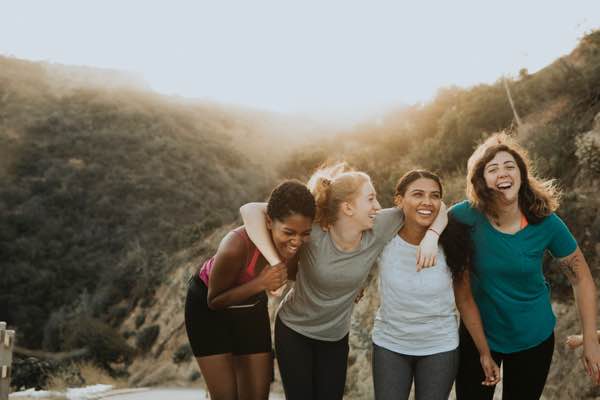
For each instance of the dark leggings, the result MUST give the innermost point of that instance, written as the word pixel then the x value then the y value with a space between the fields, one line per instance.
pixel 524 372
pixel 310 369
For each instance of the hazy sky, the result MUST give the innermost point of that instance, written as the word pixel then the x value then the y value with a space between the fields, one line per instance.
pixel 326 56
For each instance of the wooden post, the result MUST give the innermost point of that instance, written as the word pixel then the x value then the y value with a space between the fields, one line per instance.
pixel 512 104
pixel 7 341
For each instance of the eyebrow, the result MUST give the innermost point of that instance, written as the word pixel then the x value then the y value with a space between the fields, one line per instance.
pixel 496 164
pixel 421 190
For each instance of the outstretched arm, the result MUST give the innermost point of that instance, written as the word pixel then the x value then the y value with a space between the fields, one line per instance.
pixel 578 273
pixel 255 221
pixel 428 249
pixel 469 313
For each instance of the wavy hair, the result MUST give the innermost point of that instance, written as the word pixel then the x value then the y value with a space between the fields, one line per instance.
pixel 537 198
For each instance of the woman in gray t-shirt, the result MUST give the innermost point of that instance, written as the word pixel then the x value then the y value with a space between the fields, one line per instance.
pixel 311 331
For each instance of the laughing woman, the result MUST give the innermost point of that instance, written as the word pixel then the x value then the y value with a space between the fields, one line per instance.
pixel 226 314
pixel 311 330
pixel 512 220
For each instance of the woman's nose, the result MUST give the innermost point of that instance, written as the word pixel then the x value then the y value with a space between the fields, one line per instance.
pixel 377 205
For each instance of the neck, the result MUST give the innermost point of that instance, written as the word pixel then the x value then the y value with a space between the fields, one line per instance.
pixel 412 233
pixel 345 234
pixel 507 213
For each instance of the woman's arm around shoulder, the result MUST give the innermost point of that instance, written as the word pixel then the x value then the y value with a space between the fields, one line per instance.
pixel 464 212
pixel 428 249
pixel 254 216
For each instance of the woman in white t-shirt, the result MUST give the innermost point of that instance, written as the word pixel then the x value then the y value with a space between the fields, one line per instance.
pixel 415 336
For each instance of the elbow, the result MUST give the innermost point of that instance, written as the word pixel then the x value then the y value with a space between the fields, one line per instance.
pixel 244 209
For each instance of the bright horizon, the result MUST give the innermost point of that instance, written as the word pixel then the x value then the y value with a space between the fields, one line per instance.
pixel 344 58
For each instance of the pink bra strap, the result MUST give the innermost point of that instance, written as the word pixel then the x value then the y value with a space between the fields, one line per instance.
pixel 252 265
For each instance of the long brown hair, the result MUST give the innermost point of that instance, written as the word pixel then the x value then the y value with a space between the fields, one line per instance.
pixel 537 198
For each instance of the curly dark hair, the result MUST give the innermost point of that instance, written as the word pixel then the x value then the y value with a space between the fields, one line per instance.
pixel 288 198
pixel 458 247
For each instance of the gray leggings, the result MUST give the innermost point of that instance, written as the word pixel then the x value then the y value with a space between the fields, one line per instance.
pixel 393 374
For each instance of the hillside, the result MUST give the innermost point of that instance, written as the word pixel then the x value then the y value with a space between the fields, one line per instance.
pixel 102 181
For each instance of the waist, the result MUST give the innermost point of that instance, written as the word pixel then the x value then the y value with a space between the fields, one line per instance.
pixel 197 285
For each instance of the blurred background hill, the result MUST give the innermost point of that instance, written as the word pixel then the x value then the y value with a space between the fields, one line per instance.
pixel 111 195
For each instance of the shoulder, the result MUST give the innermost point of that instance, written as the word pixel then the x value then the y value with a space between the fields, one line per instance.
pixel 464 212
pixel 234 245
pixel 554 225
pixel 393 215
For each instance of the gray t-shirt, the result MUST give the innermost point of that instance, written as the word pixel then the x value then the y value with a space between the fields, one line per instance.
pixel 328 280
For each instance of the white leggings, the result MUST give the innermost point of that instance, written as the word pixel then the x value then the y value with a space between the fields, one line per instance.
pixel 393 374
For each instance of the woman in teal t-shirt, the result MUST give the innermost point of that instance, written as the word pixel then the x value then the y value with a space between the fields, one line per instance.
pixel 513 223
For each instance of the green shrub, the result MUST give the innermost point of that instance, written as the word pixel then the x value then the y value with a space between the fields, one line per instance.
pixel 182 354
pixel 146 338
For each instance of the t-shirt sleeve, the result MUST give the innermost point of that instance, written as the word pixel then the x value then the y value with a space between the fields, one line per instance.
pixel 387 223
pixel 562 242
pixel 464 213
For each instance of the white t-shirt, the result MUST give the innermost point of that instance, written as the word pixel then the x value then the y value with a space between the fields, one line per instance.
pixel 418 314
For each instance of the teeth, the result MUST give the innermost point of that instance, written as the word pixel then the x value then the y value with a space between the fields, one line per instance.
pixel 424 212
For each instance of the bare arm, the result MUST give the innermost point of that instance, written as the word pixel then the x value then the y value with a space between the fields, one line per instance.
pixel 254 217
pixel 428 249
pixel 229 261
pixel 578 273
pixel 469 313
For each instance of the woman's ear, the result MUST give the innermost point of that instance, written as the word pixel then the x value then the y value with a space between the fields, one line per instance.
pixel 269 222
pixel 347 208
pixel 398 200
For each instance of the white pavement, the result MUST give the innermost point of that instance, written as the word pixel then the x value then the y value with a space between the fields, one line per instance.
pixel 168 394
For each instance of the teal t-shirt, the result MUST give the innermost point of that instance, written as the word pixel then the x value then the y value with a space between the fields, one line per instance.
pixel 507 279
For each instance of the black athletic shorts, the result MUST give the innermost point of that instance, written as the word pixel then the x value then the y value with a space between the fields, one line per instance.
pixel 239 330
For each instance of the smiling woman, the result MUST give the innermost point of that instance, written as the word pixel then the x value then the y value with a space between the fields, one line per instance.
pixel 512 220
pixel 311 330
pixel 226 314
pixel 415 335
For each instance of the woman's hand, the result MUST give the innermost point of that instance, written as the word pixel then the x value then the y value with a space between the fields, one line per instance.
pixel 428 248
pixel 273 277
pixel 591 358
pixel 491 370
pixel 574 341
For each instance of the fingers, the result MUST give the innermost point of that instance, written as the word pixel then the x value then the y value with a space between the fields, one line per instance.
pixel 492 376
pixel 426 262
pixel 587 367
pixel 595 373
pixel 574 341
